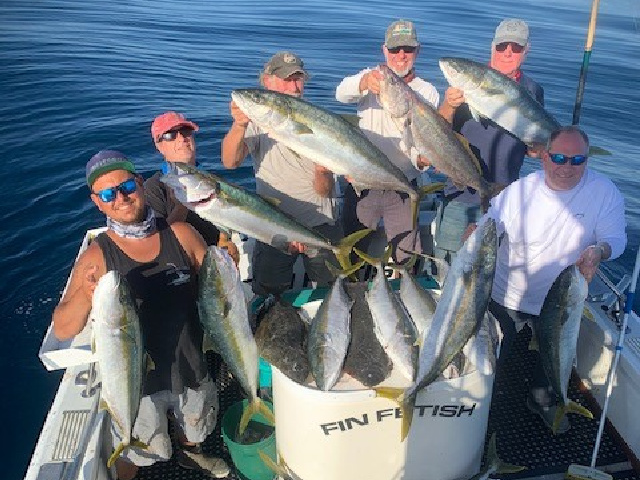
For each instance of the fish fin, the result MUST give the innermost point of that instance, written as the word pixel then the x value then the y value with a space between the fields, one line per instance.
pixel 595 150
pixel 208 344
pixel 431 188
pixel 533 343
pixel 116 453
pixel 149 363
pixel 586 313
pixel 500 466
pixel 256 406
pixel 351 118
pixel 271 200
pixel 227 308
pixel 279 470
pixel 347 244
pixel 405 404
pixel 573 407
pixel 474 113
pixel 336 272
pixel 301 128
pixel 102 405
pixel 442 265
pixel 467 147
pixel 372 260
pixel 139 444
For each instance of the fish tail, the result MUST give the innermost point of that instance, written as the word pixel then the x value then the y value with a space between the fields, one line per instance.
pixel 337 272
pixel 405 403
pixel 573 407
pixel 256 406
pixel 343 253
pixel 422 192
pixel 116 453
pixel 500 465
pixel 272 465
pixel 372 260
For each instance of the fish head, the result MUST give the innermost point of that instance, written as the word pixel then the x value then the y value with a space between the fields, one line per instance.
pixel 462 73
pixel 111 298
pixel 396 97
pixel 191 187
pixel 262 106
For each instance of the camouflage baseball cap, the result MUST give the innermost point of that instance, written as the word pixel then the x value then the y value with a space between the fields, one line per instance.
pixel 401 33
pixel 512 30
pixel 285 64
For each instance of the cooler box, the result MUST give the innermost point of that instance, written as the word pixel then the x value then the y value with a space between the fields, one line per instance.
pixel 349 434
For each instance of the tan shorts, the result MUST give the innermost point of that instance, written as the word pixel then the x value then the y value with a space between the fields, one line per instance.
pixel 196 411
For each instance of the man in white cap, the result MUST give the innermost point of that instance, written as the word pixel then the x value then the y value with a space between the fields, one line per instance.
pixel 400 50
pixel 500 153
pixel 304 190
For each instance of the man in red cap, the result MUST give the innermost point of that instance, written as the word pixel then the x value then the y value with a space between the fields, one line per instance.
pixel 174 137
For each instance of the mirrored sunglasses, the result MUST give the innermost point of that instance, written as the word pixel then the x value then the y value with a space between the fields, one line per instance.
pixel 515 48
pixel 406 49
pixel 561 159
pixel 171 135
pixel 126 188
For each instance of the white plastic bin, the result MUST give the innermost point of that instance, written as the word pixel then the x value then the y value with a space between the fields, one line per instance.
pixel 352 435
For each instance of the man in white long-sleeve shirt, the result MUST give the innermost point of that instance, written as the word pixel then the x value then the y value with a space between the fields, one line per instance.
pixel 400 49
pixel 565 214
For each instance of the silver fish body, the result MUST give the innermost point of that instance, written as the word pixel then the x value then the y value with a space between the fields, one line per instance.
pixel 329 336
pixel 480 350
pixel 235 208
pixel 323 137
pixel 558 327
pixel 392 325
pixel 225 318
pixel 420 303
pixel 463 303
pixel 431 135
pixel 504 101
pixel 118 344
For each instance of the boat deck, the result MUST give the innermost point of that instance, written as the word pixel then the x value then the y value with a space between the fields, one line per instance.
pixel 522 438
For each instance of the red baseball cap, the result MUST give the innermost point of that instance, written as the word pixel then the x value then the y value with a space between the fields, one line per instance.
pixel 168 121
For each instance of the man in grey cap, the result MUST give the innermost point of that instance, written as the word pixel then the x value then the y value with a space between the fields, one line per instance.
pixel 400 50
pixel 500 153
pixel 304 190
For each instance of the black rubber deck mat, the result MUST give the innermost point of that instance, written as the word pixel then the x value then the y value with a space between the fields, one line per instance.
pixel 523 438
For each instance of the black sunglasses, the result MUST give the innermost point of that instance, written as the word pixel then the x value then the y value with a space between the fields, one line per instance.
pixel 515 47
pixel 395 50
pixel 561 159
pixel 171 135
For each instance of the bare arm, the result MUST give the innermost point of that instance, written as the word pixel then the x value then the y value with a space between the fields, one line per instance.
pixel 192 242
pixel 71 314
pixel 234 150
pixel 323 181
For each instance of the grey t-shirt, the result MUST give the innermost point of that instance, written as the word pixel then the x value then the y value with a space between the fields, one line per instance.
pixel 287 177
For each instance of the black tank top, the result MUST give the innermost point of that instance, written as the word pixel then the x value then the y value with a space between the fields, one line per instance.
pixel 165 291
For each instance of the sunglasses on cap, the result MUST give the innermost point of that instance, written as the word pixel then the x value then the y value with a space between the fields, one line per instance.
pixel 127 187
pixel 406 49
pixel 515 47
pixel 561 159
pixel 171 135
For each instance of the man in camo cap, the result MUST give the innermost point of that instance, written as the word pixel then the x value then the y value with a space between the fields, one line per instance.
pixel 305 190
pixel 400 49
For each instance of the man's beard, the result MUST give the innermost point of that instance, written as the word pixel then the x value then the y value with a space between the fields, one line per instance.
pixel 402 73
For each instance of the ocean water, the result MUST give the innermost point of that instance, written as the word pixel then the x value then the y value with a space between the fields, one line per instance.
pixel 79 77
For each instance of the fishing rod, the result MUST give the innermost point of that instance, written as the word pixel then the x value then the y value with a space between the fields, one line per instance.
pixel 585 62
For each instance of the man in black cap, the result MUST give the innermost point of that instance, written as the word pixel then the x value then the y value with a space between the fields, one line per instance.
pixel 160 263
pixel 304 190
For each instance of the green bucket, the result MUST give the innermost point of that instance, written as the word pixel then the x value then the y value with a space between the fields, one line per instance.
pixel 245 455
